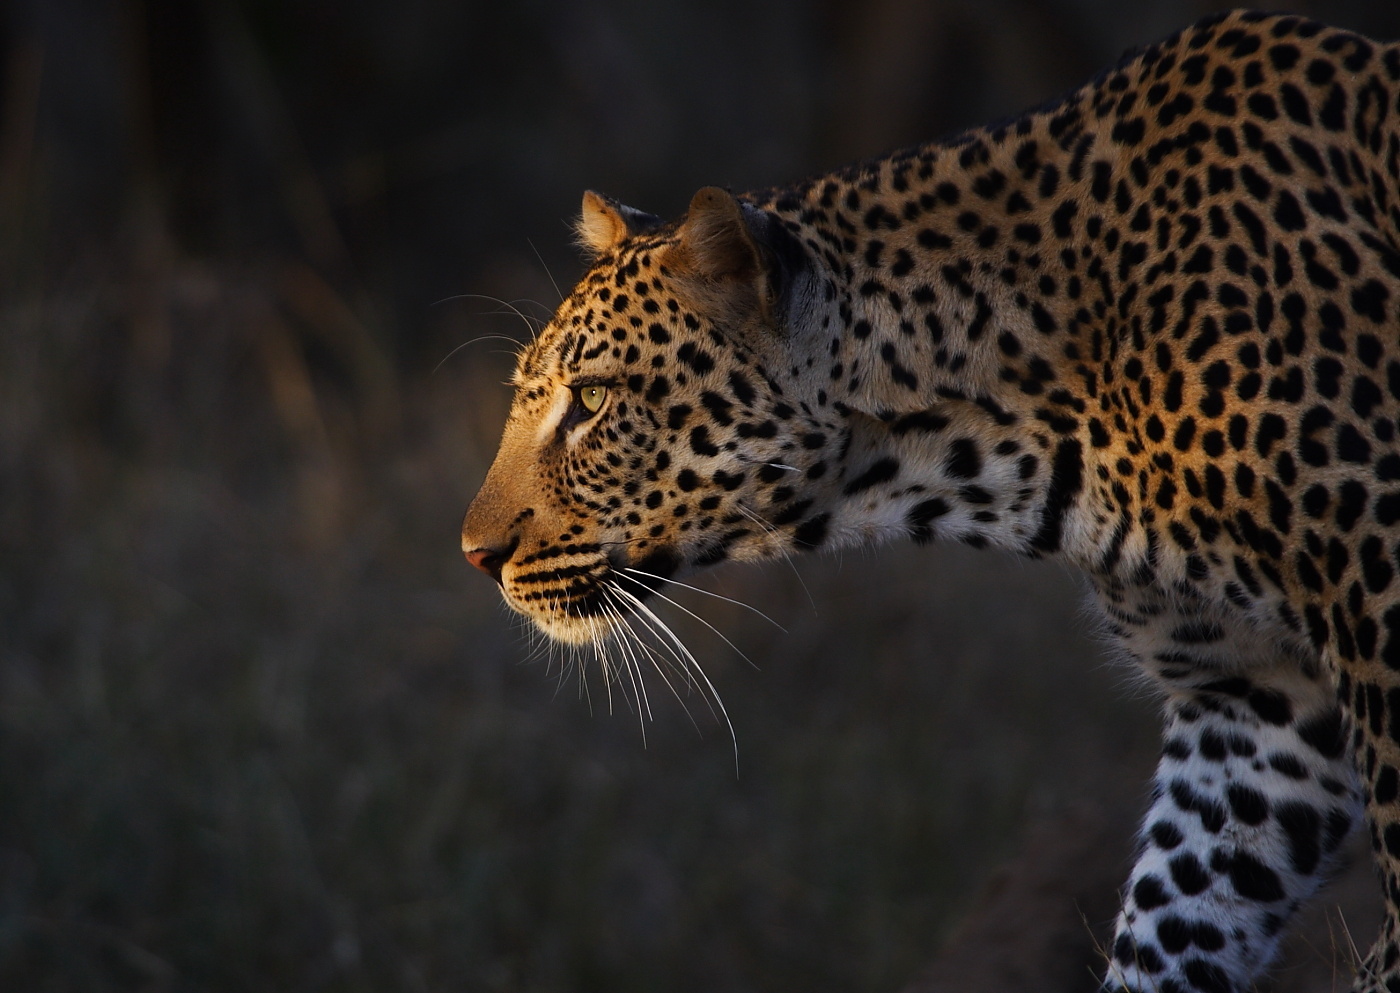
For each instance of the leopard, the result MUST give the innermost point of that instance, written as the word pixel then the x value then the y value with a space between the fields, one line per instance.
pixel 1150 328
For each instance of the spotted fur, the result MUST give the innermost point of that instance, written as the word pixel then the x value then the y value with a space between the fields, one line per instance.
pixel 1152 328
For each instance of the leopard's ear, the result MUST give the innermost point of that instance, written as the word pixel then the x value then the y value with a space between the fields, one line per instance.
pixel 604 223
pixel 716 243
pixel 743 251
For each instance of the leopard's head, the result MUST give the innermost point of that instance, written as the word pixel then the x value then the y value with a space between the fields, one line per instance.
pixel 658 423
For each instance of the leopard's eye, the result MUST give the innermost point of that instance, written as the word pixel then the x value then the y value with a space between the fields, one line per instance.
pixel 591 397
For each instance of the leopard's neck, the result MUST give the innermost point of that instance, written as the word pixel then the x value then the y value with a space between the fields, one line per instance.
pixel 971 268
pixel 959 309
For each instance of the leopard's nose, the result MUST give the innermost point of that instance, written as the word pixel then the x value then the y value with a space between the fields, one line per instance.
pixel 489 560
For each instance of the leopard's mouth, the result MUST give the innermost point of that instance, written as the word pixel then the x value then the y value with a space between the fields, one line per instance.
pixel 582 602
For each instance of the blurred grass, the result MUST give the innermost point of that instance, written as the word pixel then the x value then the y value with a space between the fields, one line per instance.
pixel 260 729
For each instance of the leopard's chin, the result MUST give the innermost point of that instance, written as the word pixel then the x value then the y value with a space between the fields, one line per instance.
pixel 589 612
pixel 569 630
pixel 577 619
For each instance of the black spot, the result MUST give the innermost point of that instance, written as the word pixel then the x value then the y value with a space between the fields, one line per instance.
pixel 1375 566
pixel 743 389
pixel 922 514
pixel 1248 805
pixel 1144 957
pixel 1066 479
pixel 1271 706
pixel 923 420
pixel 964 460
pixel 1251 878
pixel 1188 874
pixel 1197 632
pixel 1328 203
pixel 1370 300
pixel 659 388
pixel 700 442
pixel 1287 765
pixel 1351 504
pixel 694 357
pixel 1288 213
pixel 1272 428
pixel 881 471
pixel 718 407
pixel 1332 115
pixel 1125 132
pixel 812 532
pixel 1351 446
pixel 1207 977
pixel 1149 893
pixel 1166 835
pixel 1302 824
pixel 1325 734
pixel 1387 787
pixel 1212 815
pixel 1173 934
pixel 1176 748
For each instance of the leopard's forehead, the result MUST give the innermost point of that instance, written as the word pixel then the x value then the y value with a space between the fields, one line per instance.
pixel 623 307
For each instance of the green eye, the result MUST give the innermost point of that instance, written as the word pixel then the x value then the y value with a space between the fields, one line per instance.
pixel 591 397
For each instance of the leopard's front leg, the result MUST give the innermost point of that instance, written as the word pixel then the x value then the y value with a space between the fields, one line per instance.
pixel 1254 795
pixel 1252 799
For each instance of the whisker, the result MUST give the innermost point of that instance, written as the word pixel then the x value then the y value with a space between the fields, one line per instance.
pixel 661 665
pixel 509 305
pixel 533 324
pixel 675 663
pixel 776 465
pixel 605 664
pixel 783 552
pixel 660 625
pixel 658 662
pixel 630 662
pixel 717 596
pixel 693 614
pixel 472 341
pixel 548 275
pixel 639 693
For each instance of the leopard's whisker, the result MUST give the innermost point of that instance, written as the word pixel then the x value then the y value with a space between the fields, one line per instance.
pixel 711 593
pixel 605 664
pixel 625 633
pixel 749 460
pixel 783 552
pixel 661 626
pixel 661 665
pixel 472 341
pixel 631 663
pixel 548 275
pixel 533 323
pixel 626 666
pixel 680 606
pixel 675 663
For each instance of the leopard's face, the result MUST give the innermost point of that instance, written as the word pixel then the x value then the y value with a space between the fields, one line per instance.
pixel 649 435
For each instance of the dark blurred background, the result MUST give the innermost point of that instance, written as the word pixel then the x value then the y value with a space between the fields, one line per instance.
pixel 260 729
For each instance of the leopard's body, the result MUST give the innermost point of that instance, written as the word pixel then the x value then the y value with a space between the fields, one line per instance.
pixel 1152 328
